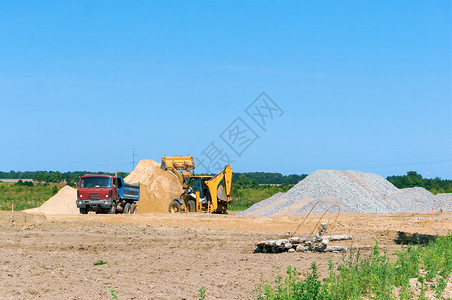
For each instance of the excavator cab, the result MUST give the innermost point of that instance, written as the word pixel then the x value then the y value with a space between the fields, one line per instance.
pixel 197 185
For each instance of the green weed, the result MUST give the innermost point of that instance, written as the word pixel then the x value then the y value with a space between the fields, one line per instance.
pixel 243 198
pixel 375 276
pixel 23 196
pixel 113 294
pixel 100 262
pixel 201 293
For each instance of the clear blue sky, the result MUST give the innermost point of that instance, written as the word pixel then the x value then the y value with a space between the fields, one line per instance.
pixel 364 85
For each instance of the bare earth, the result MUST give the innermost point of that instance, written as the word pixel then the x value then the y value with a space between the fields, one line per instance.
pixel 163 256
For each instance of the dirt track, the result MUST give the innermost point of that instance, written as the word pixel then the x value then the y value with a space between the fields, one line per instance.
pixel 163 256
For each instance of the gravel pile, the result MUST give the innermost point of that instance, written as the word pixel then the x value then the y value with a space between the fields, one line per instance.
pixel 444 201
pixel 348 189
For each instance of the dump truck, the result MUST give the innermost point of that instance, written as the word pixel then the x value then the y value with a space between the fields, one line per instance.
pixel 203 193
pixel 107 194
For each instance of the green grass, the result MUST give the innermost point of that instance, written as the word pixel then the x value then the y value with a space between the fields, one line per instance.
pixel 100 262
pixel 24 197
pixel 243 198
pixel 376 276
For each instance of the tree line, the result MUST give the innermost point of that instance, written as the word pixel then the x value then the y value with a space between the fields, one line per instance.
pixel 57 177
pixel 241 180
pixel 413 179
pixel 70 178
pixel 269 178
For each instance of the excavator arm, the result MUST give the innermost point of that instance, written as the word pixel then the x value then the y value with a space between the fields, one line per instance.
pixel 219 196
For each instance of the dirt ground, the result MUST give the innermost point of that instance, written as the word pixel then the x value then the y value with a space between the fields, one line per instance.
pixel 163 256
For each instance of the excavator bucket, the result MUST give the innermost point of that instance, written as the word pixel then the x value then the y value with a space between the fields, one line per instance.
pixel 178 162
pixel 221 195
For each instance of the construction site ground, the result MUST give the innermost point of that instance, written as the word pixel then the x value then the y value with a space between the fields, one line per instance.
pixel 171 256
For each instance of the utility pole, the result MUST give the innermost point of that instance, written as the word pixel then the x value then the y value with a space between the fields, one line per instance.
pixel 133 159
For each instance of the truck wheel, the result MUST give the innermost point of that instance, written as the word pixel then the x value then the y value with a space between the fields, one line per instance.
pixel 174 207
pixel 112 210
pixel 133 208
pixel 83 211
pixel 126 209
pixel 191 206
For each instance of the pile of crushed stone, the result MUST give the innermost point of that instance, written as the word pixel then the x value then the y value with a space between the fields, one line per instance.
pixel 62 203
pixel 157 187
pixel 352 191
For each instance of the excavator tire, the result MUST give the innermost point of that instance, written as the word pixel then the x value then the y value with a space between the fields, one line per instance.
pixel 126 209
pixel 174 207
pixel 191 206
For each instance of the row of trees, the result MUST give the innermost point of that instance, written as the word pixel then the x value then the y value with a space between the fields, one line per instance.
pixel 413 179
pixel 17 175
pixel 70 178
pixel 270 178
pixel 253 178
pixel 241 180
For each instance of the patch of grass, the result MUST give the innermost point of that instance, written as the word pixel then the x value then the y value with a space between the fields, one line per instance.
pixel 100 262
pixel 375 276
pixel 24 197
pixel 243 198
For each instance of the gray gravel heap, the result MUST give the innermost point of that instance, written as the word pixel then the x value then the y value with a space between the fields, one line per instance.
pixel 372 193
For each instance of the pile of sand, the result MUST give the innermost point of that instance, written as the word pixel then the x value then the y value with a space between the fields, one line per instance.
pixel 62 203
pixel 157 187
pixel 143 171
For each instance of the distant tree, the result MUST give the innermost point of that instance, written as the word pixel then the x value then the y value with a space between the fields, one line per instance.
pixel 245 182
pixel 24 183
pixel 413 179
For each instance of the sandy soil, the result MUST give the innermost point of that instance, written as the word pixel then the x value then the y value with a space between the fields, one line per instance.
pixel 15 180
pixel 163 256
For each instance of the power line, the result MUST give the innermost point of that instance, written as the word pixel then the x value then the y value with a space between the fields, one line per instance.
pixel 133 159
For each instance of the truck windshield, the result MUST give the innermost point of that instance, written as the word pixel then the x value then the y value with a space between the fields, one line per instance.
pixel 95 182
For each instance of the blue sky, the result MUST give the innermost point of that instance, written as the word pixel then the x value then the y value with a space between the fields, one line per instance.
pixel 363 85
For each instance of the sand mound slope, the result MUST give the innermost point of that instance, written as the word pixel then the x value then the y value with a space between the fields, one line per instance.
pixel 62 203
pixel 143 171
pixel 157 187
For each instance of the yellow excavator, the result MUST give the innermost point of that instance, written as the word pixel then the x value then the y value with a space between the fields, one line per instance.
pixel 201 192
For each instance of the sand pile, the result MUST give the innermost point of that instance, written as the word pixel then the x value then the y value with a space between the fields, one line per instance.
pixel 62 203
pixel 143 171
pixel 372 193
pixel 157 187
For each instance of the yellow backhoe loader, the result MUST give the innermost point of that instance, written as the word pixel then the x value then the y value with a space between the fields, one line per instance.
pixel 201 192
